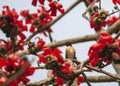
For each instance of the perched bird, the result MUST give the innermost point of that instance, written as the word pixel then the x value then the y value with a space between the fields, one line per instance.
pixel 70 51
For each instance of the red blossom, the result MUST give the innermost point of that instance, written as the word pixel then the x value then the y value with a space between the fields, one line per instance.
pixel 56 54
pixel 116 2
pixel 47 51
pixel 2 62
pixel 29 71
pixel 44 16
pixel 94 53
pixel 80 79
pixel 112 20
pixel 22 36
pixel 11 25
pixel 37 20
pixel 40 43
pixel 94 62
pixel 34 2
pixel 42 58
pixel 12 13
pixel 96 22
pixel 59 81
pixel 13 65
pixel 95 50
pixel 32 29
pixel 105 38
pixel 20 44
pixel 24 13
pixel 66 68
pixel 54 6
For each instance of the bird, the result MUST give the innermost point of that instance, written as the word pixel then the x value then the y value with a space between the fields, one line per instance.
pixel 70 51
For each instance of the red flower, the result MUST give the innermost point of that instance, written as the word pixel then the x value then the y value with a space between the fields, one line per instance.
pixel 32 29
pixel 95 50
pixel 96 22
pixel 94 62
pixel 112 20
pixel 105 38
pixel 29 71
pixel 93 53
pixel 13 65
pixel 80 79
pixel 54 6
pixel 15 26
pixel 12 13
pixel 40 43
pixel 47 51
pixel 66 68
pixel 20 44
pixel 116 2
pixel 24 13
pixel 56 54
pixel 59 81
pixel 2 62
pixel 22 36
pixel 34 2
pixel 42 58
pixel 44 16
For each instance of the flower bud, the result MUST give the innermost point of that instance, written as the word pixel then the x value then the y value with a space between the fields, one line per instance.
pixel 103 14
pixel 97 21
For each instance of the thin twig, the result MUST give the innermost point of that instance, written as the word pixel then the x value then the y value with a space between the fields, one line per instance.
pixel 40 67
pixel 88 8
pixel 50 36
pixel 114 12
pixel 99 4
pixel 103 71
pixel 86 80
pixel 100 71
pixel 87 3
pixel 82 64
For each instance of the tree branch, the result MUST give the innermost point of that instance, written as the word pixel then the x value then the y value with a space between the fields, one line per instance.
pixel 112 29
pixel 102 79
pixel 42 82
pixel 92 37
pixel 93 79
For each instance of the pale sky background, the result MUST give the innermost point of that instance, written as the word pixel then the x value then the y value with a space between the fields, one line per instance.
pixel 70 26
